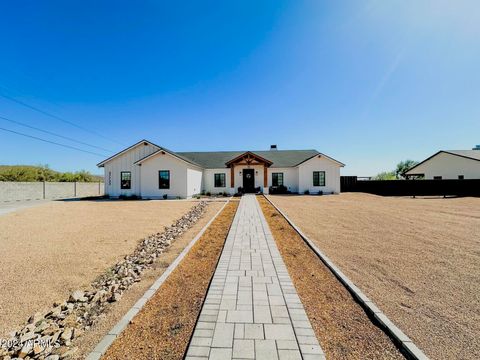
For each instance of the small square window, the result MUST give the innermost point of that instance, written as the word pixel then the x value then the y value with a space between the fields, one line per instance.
pixel 219 180
pixel 277 179
pixel 164 179
pixel 125 180
pixel 319 178
pixel 461 177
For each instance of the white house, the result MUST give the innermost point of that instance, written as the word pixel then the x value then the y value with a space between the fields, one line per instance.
pixel 449 164
pixel 150 171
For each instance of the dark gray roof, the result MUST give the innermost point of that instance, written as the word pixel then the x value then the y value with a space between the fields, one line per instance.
pixel 217 159
pixel 473 154
pixel 279 158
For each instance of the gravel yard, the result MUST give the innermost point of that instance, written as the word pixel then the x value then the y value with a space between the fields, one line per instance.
pixel 418 259
pixel 163 328
pixel 58 247
pixel 90 339
pixel 340 324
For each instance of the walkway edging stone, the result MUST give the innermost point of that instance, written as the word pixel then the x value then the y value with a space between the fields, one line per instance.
pixel 110 337
pixel 405 343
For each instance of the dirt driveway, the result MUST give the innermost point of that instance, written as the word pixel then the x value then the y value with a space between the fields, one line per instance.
pixel 52 249
pixel 418 259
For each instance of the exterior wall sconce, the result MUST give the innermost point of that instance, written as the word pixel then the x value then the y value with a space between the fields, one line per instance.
pixel 256 172
pixel 240 173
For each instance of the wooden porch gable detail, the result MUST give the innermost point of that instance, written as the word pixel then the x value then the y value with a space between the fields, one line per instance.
pixel 249 159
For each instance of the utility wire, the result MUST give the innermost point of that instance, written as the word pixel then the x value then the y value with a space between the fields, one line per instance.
pixel 52 133
pixel 56 117
pixel 52 142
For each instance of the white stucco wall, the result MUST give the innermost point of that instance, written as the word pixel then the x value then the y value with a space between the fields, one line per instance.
pixel 125 162
pixel 194 181
pixel 332 175
pixel 448 166
pixel 209 181
pixel 290 177
pixel 178 177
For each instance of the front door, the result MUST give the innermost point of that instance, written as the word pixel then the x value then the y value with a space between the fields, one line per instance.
pixel 248 180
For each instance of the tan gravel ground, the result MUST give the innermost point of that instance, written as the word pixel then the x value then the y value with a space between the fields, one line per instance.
pixel 89 340
pixel 342 327
pixel 163 328
pixel 417 259
pixel 51 250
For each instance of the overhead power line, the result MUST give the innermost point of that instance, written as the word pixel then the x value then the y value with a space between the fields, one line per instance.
pixel 52 142
pixel 57 117
pixel 52 133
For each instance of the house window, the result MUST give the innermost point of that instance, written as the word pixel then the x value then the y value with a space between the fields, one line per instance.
pixel 164 179
pixel 125 180
pixel 219 180
pixel 437 178
pixel 319 178
pixel 461 177
pixel 277 179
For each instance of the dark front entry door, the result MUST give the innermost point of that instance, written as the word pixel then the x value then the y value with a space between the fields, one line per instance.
pixel 248 180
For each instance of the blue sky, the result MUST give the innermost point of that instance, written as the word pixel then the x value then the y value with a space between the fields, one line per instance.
pixel 369 83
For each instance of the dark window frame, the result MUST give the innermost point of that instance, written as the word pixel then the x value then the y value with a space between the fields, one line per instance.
pixel 219 179
pixel 276 179
pixel 316 178
pixel 461 177
pixel 123 185
pixel 166 184
pixel 437 178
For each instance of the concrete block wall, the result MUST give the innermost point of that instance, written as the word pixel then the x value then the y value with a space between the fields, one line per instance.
pixel 18 191
pixel 59 190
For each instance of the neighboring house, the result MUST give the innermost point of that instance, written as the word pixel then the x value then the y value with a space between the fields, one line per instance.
pixel 449 164
pixel 151 171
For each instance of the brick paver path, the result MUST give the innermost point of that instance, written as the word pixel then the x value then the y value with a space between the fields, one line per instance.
pixel 252 310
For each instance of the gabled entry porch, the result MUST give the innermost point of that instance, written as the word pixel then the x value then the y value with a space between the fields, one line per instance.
pixel 249 171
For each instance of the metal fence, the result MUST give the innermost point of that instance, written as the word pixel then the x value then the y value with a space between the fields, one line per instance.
pixel 468 187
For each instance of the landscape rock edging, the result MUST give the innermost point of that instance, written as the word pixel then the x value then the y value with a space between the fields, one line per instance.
pixel 49 335
pixel 108 339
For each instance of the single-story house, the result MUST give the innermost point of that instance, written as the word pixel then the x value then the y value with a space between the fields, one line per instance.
pixel 151 171
pixel 449 164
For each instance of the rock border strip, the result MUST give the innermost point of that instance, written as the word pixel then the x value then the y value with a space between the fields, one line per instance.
pixel 403 341
pixel 110 337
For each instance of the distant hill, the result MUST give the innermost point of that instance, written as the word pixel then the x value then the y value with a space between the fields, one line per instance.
pixel 44 173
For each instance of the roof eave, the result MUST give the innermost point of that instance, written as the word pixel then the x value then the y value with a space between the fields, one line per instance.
pixel 321 155
pixel 140 161
pixel 102 163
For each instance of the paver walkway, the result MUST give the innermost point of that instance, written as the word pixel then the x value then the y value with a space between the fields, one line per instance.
pixel 252 310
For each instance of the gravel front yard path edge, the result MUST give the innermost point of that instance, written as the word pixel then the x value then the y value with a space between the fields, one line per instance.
pixel 402 340
pixel 108 339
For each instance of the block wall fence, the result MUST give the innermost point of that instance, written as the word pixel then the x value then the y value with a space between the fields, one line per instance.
pixel 17 191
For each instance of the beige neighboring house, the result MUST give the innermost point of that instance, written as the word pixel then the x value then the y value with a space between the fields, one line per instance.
pixel 151 171
pixel 449 164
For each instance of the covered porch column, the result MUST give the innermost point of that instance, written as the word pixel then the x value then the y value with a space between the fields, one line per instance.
pixel 232 179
